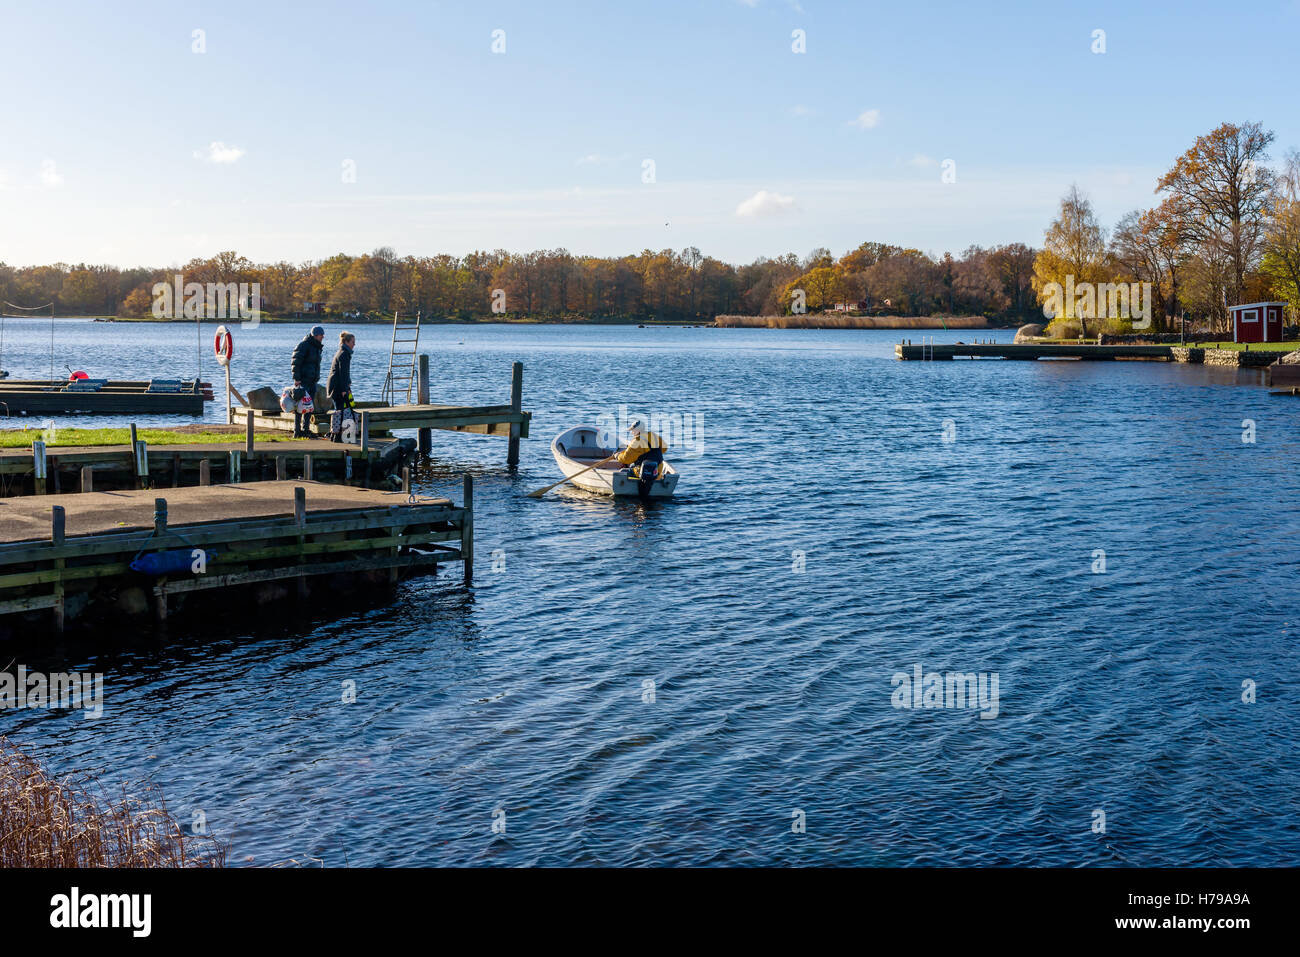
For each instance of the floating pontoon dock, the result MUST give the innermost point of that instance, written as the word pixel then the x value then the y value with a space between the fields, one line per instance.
pixel 75 558
pixel 154 397
pixel 926 351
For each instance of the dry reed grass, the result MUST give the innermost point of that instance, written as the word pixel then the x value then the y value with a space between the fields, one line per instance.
pixel 45 822
pixel 821 320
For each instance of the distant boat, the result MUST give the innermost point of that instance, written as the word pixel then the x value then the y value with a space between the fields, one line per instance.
pixel 577 448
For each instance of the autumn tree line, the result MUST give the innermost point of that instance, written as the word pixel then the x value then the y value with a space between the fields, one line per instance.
pixel 1225 229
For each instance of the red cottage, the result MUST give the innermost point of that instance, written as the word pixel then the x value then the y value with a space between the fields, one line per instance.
pixel 1257 322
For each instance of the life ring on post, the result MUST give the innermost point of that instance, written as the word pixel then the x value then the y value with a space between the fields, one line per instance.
pixel 223 344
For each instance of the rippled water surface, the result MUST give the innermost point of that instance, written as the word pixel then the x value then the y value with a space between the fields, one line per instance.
pixel 1118 692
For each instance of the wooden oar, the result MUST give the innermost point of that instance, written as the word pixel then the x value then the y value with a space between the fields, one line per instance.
pixel 542 491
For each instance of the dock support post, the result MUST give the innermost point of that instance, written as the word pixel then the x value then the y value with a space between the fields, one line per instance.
pixel 306 467
pixel 234 467
pixel 39 466
pixel 57 528
pixel 205 472
pixel 516 406
pixel 467 532
pixel 281 470
pixel 87 479
pixel 406 479
pixel 141 464
pixel 135 469
pixel 160 589
pixel 248 432
pixel 422 397
pixel 365 432
pixel 300 519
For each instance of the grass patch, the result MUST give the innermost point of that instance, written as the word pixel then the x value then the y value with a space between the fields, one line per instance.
pixel 56 437
pixel 1290 346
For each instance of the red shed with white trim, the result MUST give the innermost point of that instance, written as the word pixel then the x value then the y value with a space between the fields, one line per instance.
pixel 1257 322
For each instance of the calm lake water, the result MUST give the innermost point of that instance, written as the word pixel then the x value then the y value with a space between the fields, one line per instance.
pixel 1118 692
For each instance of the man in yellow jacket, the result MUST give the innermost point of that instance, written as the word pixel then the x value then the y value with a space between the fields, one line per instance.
pixel 645 455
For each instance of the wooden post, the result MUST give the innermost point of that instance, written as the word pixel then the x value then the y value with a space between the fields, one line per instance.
pixel 406 479
pixel 205 472
pixel 300 519
pixel 160 589
pixel 135 471
pixel 248 432
pixel 87 478
pixel 57 528
pixel 516 406
pixel 306 467
pixel 235 476
pixel 141 464
pixel 422 397
pixel 467 531
pixel 39 466
pixel 281 469
pixel 365 431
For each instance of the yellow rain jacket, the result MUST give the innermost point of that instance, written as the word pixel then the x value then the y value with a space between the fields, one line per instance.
pixel 640 445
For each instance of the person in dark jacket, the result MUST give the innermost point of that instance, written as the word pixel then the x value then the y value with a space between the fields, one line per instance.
pixel 306 373
pixel 339 384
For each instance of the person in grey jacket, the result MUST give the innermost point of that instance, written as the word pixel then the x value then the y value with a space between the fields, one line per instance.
pixel 339 384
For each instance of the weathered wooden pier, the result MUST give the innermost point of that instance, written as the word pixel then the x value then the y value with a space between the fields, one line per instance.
pixel 107 396
pixel 507 421
pixel 43 470
pixel 98 557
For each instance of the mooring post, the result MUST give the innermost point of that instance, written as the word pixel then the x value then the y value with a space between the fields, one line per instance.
pixel 516 406
pixel 248 432
pixel 234 467
pixel 365 432
pixel 300 506
pixel 57 528
pixel 160 589
pixel 281 469
pixel 205 472
pixel 141 464
pixel 422 397
pixel 467 531
pixel 39 465
pixel 87 478
pixel 306 467
pixel 135 470
pixel 406 479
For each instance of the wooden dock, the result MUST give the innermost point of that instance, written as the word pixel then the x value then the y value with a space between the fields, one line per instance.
pixel 103 396
pixel 507 421
pixel 994 350
pixel 70 469
pixel 102 556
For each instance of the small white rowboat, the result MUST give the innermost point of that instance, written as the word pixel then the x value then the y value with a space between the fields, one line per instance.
pixel 577 448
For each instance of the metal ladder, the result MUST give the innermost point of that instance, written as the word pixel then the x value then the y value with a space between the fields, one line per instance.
pixel 401 361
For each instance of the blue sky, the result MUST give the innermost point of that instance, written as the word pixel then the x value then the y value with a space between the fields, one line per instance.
pixel 109 122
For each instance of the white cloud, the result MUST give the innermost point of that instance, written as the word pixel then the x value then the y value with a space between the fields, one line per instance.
pixel 765 203
pixel 923 161
pixel 867 119
pixel 799 110
pixel 50 175
pixel 218 152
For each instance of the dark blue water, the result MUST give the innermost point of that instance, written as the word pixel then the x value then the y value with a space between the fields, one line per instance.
pixel 1119 692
